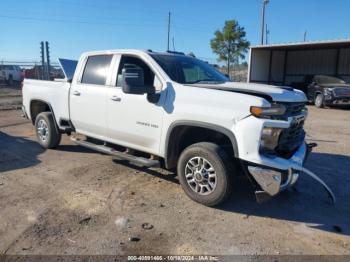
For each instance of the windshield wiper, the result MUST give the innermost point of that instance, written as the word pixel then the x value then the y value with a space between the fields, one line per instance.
pixel 207 81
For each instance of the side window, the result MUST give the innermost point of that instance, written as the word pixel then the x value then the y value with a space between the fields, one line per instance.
pixel 131 61
pixel 96 70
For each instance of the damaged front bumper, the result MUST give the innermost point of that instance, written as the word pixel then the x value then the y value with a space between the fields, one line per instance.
pixel 272 181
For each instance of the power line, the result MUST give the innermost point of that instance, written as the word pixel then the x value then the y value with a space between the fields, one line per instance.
pixel 186 21
pixel 76 22
pixel 108 6
pixel 64 17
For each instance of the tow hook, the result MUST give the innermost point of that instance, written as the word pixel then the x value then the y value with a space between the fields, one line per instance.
pixel 309 148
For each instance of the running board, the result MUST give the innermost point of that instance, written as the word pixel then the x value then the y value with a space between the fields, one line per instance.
pixel 141 161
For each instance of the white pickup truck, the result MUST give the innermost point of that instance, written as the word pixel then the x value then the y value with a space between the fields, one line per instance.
pixel 175 111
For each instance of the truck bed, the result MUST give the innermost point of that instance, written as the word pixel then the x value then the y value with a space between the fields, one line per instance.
pixel 56 93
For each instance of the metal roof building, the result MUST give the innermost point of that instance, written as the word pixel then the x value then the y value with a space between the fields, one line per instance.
pixel 289 63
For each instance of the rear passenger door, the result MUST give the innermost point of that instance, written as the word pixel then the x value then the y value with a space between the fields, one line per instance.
pixel 88 97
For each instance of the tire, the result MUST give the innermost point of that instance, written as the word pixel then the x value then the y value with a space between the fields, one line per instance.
pixel 319 101
pixel 210 191
pixel 46 132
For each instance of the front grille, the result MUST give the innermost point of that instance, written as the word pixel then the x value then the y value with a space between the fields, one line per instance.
pixel 294 109
pixel 341 91
pixel 291 139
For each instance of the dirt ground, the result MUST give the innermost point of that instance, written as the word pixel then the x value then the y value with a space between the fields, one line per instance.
pixel 75 201
pixel 10 97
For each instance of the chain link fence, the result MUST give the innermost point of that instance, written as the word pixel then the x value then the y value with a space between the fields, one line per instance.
pixel 34 69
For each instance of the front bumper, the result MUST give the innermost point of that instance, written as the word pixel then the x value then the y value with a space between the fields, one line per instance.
pixel 272 173
pixel 339 100
pixel 272 181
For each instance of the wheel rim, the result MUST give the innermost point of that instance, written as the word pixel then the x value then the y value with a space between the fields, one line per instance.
pixel 42 130
pixel 200 175
pixel 318 100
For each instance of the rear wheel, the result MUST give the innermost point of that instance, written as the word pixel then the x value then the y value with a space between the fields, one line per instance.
pixel 205 172
pixel 319 101
pixel 46 132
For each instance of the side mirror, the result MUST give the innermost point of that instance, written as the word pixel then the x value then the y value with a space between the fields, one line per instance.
pixel 133 82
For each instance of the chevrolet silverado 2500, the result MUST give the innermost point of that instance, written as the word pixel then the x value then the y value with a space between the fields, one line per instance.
pixel 175 111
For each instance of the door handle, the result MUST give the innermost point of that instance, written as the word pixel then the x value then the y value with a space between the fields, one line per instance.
pixel 116 98
pixel 76 93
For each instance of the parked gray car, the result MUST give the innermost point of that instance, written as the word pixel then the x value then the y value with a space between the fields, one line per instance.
pixel 328 90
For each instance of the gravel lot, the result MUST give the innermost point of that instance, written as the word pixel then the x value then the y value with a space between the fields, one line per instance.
pixel 10 97
pixel 75 201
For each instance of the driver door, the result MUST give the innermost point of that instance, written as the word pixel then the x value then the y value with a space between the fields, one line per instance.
pixel 133 121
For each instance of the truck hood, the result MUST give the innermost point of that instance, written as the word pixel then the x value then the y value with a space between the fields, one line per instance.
pixel 335 85
pixel 269 92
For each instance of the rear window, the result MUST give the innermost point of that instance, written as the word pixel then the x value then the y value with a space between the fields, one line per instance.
pixel 321 79
pixel 96 69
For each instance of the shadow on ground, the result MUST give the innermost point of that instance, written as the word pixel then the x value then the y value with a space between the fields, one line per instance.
pixel 171 177
pixel 75 149
pixel 307 202
pixel 18 152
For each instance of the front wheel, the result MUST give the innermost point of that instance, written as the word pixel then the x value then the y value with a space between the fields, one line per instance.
pixel 319 101
pixel 46 132
pixel 205 172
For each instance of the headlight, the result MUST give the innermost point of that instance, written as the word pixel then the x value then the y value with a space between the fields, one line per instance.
pixel 270 137
pixel 328 91
pixel 267 112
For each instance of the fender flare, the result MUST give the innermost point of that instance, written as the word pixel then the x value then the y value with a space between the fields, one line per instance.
pixel 213 127
pixel 51 110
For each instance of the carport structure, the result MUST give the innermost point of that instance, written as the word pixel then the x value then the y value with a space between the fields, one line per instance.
pixel 288 64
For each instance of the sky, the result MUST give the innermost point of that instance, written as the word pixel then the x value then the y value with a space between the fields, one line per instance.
pixel 74 26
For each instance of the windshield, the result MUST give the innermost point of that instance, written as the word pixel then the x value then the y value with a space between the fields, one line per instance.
pixel 328 80
pixel 188 70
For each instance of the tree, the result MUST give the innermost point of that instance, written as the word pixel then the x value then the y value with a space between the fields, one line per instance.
pixel 230 43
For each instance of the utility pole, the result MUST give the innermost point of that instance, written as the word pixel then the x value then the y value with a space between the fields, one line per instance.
pixel 36 71
pixel 48 60
pixel 42 60
pixel 265 2
pixel 267 32
pixel 168 31
pixel 45 67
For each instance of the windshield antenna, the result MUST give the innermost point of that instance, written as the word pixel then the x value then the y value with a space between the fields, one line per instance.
pixel 173 44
